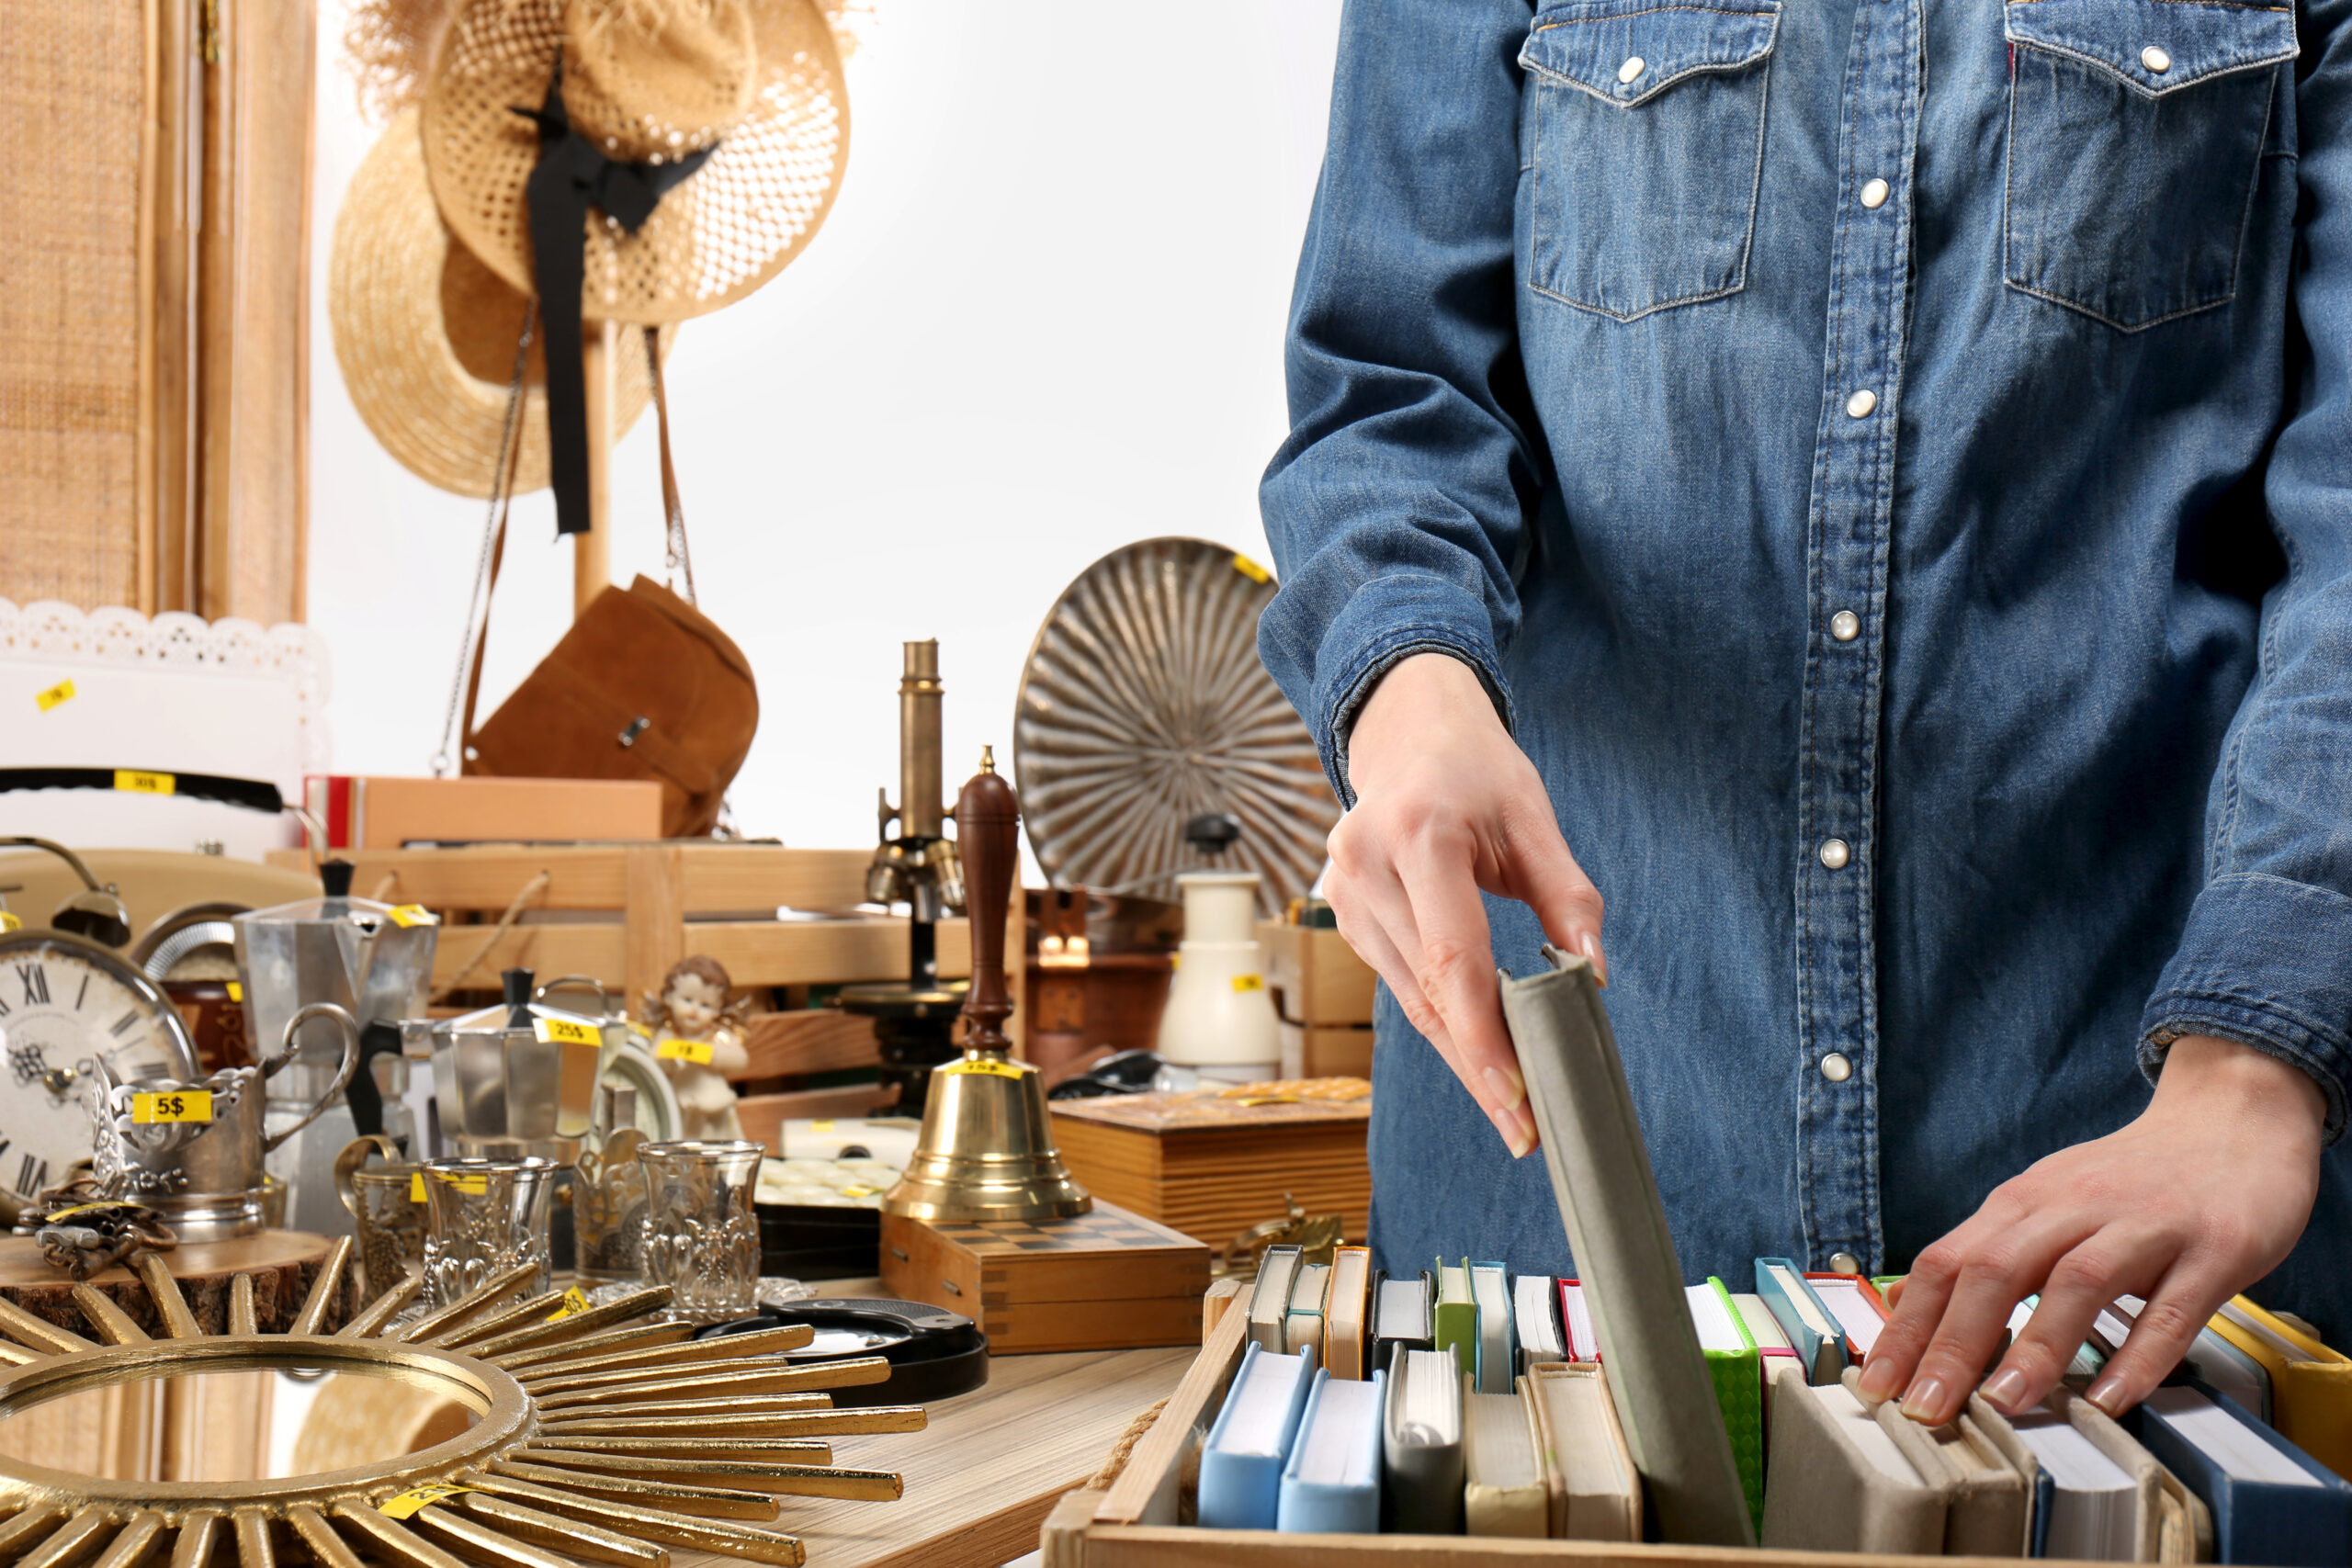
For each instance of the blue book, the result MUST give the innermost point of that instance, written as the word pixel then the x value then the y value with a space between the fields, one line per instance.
pixel 1331 1485
pixel 2272 1502
pixel 1805 1318
pixel 1241 1467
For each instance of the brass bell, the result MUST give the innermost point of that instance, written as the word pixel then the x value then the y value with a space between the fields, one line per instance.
pixel 987 1150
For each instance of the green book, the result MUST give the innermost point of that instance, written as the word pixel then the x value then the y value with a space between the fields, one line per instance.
pixel 1737 1368
pixel 1457 1314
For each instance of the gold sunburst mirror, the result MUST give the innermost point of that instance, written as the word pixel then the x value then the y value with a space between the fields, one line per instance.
pixel 605 1434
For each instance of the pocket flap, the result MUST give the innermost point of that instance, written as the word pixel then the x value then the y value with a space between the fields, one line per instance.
pixel 1628 52
pixel 2155 46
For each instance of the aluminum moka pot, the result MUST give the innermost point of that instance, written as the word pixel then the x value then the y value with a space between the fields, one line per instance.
pixel 192 1150
pixel 519 1080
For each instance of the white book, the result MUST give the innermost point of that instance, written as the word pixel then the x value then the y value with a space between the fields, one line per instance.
pixel 1762 1327
pixel 1718 1330
pixel 2226 1440
pixel 1855 1315
pixel 1503 1490
pixel 2094 1503
pixel 1270 1299
pixel 1535 1313
pixel 1497 1363
pixel 1576 1323
pixel 1793 1288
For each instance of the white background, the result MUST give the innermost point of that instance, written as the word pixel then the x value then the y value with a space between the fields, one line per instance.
pixel 1044 319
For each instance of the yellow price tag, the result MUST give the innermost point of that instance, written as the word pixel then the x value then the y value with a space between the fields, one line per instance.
pixel 575 1300
pixel 472 1186
pixel 823 1124
pixel 236 992
pixel 1252 570
pixel 417 1187
pixel 672 1049
pixel 71 1210
pixel 409 1502
pixel 10 922
pixel 61 692
pixel 987 1065
pixel 174 1105
pixel 860 1191
pixel 406 915
pixel 131 780
pixel 1248 982
pixel 566 1032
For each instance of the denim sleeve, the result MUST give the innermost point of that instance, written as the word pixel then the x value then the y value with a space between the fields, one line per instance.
pixel 2266 956
pixel 1397 508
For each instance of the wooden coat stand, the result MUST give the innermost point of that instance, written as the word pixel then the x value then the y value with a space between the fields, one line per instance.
pixel 592 552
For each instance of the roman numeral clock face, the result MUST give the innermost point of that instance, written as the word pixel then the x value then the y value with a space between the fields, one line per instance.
pixel 65 1004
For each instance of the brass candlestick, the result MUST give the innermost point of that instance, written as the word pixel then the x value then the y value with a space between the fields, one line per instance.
pixel 987 1150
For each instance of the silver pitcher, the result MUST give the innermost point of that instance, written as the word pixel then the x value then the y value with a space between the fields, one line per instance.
pixel 193 1150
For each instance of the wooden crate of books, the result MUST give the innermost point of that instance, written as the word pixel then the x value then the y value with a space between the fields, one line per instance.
pixel 1214 1164
pixel 2197 1477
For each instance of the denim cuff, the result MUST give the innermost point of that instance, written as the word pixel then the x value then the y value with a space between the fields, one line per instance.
pixel 2267 962
pixel 1386 621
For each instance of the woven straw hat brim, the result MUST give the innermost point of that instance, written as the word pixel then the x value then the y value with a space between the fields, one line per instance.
pixel 714 239
pixel 385 308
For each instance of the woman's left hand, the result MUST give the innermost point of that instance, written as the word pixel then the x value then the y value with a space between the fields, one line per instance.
pixel 2199 1197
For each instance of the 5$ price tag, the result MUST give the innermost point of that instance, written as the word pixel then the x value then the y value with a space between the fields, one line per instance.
pixel 575 1300
pixel 566 1032
pixel 672 1049
pixel 406 915
pixel 173 1105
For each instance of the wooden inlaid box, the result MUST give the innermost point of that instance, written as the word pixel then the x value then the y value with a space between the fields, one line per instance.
pixel 1104 1280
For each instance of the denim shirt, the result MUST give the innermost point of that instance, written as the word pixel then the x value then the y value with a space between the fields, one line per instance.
pixel 1891 463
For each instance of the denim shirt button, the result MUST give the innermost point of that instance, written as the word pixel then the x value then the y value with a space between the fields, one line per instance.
pixel 1845 1263
pixel 1834 854
pixel 1635 65
pixel 1874 194
pixel 2156 60
pixel 1845 626
pixel 1836 1067
pixel 1859 405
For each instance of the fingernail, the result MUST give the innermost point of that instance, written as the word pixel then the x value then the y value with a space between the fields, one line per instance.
pixel 1923 1400
pixel 1526 1123
pixel 1508 1087
pixel 1591 948
pixel 2005 1390
pixel 2108 1394
pixel 1878 1382
pixel 1505 1122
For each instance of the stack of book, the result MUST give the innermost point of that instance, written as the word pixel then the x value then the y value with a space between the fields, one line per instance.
pixel 1464 1399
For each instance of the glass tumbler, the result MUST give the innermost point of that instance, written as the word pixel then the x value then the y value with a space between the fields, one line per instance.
pixel 700 1235
pixel 388 1209
pixel 608 1209
pixel 483 1217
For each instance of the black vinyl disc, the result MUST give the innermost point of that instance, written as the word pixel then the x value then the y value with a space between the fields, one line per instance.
pixel 933 1353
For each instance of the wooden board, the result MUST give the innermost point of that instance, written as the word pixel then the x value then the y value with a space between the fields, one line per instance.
pixel 981 1478
pixel 814 1040
pixel 1212 1168
pixel 283 1264
pixel 1102 1281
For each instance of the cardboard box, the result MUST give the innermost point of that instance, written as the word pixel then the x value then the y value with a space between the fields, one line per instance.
pixel 1326 1051
pixel 383 812
pixel 1104 1280
pixel 1316 976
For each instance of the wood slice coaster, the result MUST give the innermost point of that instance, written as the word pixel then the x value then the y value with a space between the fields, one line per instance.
pixel 283 1264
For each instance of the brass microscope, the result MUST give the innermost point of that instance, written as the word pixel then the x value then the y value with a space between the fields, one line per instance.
pixel 914 1020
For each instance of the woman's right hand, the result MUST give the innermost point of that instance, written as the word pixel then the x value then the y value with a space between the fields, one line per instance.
pixel 1446 804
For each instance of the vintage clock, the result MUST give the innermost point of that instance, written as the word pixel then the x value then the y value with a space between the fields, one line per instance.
pixel 65 1005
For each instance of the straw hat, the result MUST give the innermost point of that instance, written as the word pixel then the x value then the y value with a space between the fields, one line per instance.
pixel 425 333
pixel 755 83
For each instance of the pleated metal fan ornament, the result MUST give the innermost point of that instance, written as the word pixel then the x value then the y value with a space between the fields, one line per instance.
pixel 1144 707
pixel 605 1434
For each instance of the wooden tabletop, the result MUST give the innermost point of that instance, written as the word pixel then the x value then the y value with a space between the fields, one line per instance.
pixel 981 1481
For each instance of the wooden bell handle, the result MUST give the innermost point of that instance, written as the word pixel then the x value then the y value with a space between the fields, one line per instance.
pixel 987 826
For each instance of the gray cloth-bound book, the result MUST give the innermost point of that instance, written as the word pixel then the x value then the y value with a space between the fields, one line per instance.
pixel 1632 1282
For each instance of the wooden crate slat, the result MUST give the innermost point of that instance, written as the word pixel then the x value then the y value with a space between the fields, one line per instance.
pixel 756 952
pixel 718 878
pixel 820 1040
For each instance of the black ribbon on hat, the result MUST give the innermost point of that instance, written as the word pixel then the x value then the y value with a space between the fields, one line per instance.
pixel 572 177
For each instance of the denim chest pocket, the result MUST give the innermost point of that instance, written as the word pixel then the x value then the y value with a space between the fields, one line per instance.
pixel 2135 135
pixel 1646 141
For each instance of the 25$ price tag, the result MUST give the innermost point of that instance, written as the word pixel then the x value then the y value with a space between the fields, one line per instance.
pixel 987 1065
pixel 566 1032
pixel 174 1105
pixel 672 1049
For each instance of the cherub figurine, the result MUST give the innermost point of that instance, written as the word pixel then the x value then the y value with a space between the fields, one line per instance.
pixel 699 1039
